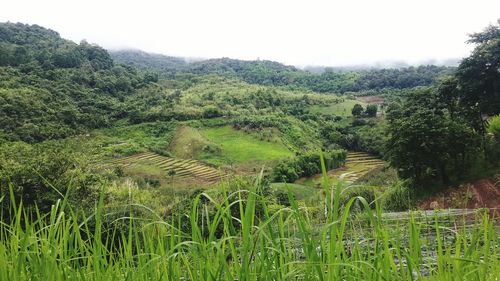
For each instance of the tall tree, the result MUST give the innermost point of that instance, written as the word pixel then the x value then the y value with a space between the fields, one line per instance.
pixel 357 110
pixel 425 144
pixel 474 90
pixel 371 110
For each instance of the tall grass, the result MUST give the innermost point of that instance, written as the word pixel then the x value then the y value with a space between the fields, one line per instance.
pixel 241 238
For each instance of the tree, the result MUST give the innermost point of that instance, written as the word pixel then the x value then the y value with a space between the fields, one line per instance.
pixel 357 110
pixel 425 144
pixel 474 90
pixel 40 174
pixel 371 110
pixel 285 171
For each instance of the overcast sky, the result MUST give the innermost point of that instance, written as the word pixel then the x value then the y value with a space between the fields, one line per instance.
pixel 309 32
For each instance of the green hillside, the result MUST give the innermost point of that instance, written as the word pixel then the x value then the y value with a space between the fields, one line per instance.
pixel 276 74
pixel 127 165
pixel 240 147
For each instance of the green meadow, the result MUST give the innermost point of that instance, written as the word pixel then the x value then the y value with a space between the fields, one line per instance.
pixel 240 147
pixel 342 108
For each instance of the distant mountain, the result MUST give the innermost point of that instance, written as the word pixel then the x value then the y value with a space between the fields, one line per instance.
pixel 320 79
pixel 167 65
pixel 452 62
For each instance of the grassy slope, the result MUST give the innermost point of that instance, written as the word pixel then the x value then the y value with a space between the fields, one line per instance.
pixel 340 109
pixel 187 142
pixel 239 147
pixel 129 139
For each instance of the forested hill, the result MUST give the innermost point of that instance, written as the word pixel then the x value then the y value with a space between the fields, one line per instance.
pixel 166 65
pixel 273 73
pixel 52 88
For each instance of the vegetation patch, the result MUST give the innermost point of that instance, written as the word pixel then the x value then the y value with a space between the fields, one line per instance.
pixel 130 139
pixel 299 191
pixel 187 143
pixel 174 168
pixel 239 146
pixel 343 108
pixel 357 165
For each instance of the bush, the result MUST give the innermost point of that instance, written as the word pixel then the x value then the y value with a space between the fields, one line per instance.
pixel 282 198
pixel 371 110
pixel 41 174
pixel 357 110
pixel 494 127
pixel 397 198
pixel 285 171
pixel 211 112
pixel 358 122
pixel 306 165
pixel 369 193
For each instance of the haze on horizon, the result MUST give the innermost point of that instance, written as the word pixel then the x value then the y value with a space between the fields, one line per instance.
pixel 313 32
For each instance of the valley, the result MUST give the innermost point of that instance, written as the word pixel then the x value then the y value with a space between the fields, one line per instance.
pixel 128 165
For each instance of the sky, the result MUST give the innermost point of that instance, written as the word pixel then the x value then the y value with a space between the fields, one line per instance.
pixel 310 32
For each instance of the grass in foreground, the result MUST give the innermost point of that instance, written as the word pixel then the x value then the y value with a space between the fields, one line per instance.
pixel 237 237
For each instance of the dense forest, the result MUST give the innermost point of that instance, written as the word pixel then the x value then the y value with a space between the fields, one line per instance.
pixel 113 159
pixel 277 74
pixel 53 88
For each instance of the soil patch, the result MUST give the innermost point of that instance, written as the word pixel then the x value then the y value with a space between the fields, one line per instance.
pixel 484 193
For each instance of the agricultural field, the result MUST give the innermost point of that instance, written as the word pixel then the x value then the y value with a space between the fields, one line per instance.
pixel 357 165
pixel 152 164
pixel 242 148
pixel 372 99
pixel 339 109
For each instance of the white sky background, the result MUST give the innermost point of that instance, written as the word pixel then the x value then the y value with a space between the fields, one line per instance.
pixel 309 32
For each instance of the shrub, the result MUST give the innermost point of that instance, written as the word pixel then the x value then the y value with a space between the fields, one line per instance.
pixel 357 110
pixel 397 197
pixel 285 171
pixel 494 127
pixel 308 164
pixel 41 174
pixel 369 193
pixel 282 198
pixel 211 112
pixel 371 110
pixel 358 122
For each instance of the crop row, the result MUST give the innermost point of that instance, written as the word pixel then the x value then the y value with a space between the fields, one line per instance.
pixel 182 168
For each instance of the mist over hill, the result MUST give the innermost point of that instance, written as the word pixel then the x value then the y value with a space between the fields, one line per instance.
pixel 127 165
pixel 315 78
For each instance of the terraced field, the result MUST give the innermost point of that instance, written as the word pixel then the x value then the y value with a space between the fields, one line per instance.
pixel 183 168
pixel 358 164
